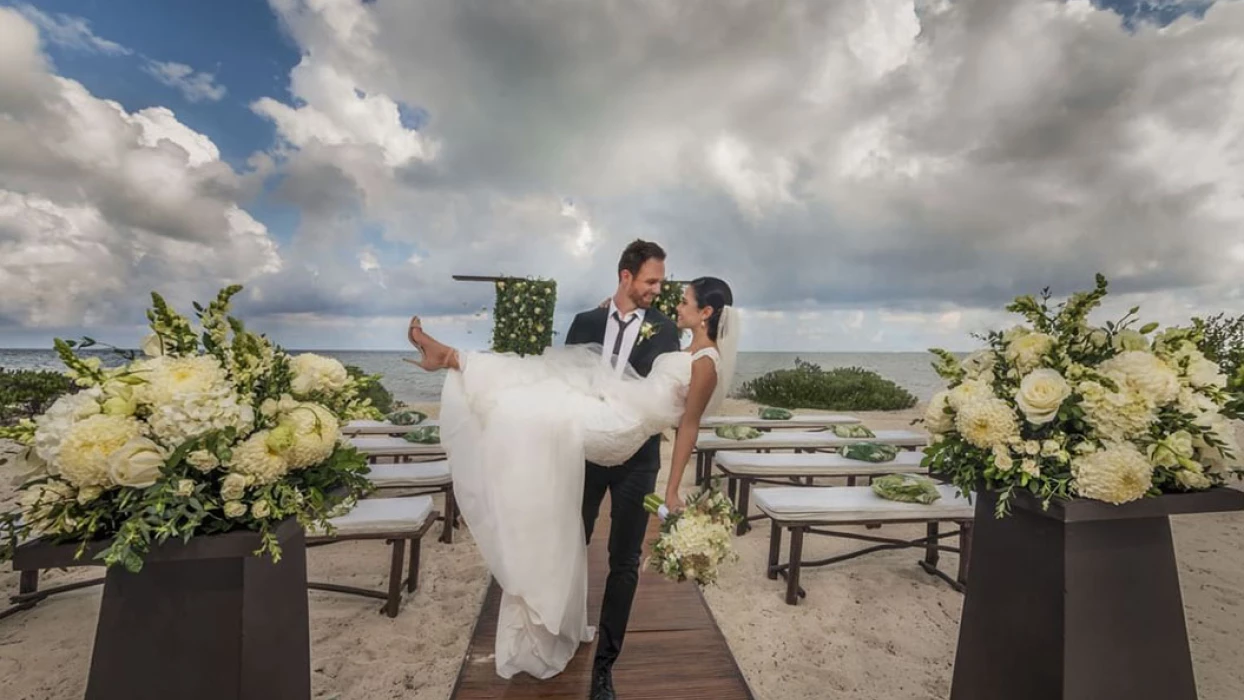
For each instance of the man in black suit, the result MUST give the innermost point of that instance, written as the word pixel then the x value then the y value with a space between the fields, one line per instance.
pixel 633 333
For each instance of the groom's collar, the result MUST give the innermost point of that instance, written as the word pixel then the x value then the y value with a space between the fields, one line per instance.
pixel 613 308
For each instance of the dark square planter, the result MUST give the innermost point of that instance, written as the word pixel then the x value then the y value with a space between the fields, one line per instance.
pixel 1080 602
pixel 203 620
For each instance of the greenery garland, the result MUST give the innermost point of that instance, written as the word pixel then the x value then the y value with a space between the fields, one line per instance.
pixel 523 315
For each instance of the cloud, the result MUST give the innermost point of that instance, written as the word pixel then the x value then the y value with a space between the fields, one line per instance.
pixel 194 86
pixel 71 32
pixel 99 206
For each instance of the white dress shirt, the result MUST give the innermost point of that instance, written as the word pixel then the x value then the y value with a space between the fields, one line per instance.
pixel 628 339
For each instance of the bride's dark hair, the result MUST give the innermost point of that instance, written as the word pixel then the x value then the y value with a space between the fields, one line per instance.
pixel 715 294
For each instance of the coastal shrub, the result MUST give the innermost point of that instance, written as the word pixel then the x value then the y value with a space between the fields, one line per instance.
pixel 838 389
pixel 371 388
pixel 27 393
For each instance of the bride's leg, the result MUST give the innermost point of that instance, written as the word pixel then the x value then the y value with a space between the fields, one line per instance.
pixel 436 355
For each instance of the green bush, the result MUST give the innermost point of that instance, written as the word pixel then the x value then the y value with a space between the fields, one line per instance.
pixel 381 398
pixel 1222 341
pixel 838 389
pixel 27 393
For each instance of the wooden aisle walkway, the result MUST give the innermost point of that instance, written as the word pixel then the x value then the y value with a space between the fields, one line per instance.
pixel 673 647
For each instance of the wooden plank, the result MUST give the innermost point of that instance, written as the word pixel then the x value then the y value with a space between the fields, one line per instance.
pixel 673 648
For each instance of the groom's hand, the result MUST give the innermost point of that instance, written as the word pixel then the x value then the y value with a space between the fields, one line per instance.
pixel 673 501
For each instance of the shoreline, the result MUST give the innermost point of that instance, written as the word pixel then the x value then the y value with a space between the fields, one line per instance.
pixel 874 627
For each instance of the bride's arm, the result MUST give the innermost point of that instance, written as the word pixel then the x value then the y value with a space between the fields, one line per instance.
pixel 703 381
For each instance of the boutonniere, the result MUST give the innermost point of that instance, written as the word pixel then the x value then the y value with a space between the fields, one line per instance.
pixel 647 330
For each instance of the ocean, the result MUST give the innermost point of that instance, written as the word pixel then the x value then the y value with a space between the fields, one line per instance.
pixel 910 370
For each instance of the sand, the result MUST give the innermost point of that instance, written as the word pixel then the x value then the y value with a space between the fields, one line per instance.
pixel 873 628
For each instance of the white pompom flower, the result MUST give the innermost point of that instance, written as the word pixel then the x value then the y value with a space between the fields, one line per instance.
pixel 1118 473
pixel 317 374
pixel 85 452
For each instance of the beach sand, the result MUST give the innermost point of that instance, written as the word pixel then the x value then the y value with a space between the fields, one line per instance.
pixel 874 628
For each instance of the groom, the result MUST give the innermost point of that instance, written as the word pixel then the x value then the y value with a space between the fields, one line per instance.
pixel 633 333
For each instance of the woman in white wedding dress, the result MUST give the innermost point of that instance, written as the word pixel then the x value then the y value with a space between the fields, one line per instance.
pixel 517 431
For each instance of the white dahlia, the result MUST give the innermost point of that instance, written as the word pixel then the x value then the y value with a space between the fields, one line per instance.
pixel 967 392
pixel 90 442
pixel 1146 374
pixel 314 432
pixel 53 425
pixel 987 422
pixel 317 374
pixel 254 458
pixel 1116 474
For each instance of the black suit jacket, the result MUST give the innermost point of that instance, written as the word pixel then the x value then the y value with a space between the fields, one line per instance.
pixel 590 326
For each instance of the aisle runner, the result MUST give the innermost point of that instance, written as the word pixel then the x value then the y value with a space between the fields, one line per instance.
pixel 673 647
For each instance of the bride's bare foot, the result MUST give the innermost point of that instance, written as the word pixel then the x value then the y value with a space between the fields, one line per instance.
pixel 436 355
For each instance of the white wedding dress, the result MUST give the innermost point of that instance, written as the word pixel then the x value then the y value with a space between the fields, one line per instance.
pixel 517 432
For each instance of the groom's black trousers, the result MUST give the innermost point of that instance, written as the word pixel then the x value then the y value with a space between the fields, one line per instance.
pixel 627 485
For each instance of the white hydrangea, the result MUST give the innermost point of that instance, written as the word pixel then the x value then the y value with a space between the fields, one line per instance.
pixel 1117 473
pixel 317 374
pixel 84 453
pixel 53 425
pixel 1026 350
pixel 1116 415
pixel 980 365
pixel 1216 459
pixel 936 420
pixel 314 434
pixel 189 396
pixel 1146 374
pixel 255 459
pixel 986 423
pixel 1200 372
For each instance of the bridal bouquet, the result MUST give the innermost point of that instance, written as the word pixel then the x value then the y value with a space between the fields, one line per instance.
pixel 210 432
pixel 1064 409
pixel 695 541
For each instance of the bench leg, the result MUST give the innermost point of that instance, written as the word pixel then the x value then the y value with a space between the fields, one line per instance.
pixel 931 553
pixel 775 548
pixel 745 489
pixel 451 517
pixel 395 578
pixel 28 582
pixel 792 572
pixel 412 580
pixel 732 490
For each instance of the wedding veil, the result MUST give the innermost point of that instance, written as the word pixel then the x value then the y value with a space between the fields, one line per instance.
pixel 728 349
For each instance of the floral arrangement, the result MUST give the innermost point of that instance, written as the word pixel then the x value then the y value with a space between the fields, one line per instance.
pixel 669 298
pixel 523 315
pixel 695 541
pixel 1064 409
pixel 210 432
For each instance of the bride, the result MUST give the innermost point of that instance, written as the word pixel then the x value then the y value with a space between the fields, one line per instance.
pixel 517 431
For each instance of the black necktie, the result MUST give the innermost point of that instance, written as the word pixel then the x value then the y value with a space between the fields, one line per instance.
pixel 617 342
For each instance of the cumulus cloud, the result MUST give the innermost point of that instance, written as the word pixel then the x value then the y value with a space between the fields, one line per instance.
pixel 195 86
pixel 99 205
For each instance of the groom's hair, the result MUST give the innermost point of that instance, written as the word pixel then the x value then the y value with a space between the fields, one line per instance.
pixel 638 253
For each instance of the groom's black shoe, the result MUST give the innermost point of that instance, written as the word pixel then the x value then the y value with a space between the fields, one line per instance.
pixel 602 683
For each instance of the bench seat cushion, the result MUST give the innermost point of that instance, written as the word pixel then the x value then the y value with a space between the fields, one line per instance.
pixel 776 464
pixel 855 504
pixel 410 474
pixel 383 515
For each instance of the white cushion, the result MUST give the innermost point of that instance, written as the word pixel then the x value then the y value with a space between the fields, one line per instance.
pixel 410 474
pixel 855 504
pixel 778 464
pixel 382 515
pixel 805 420
pixel 376 446
pixel 809 440
pixel 380 427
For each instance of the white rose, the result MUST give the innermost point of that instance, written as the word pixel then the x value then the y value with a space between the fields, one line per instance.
pixel 233 487
pixel 1002 458
pixel 1041 394
pixel 234 509
pixel 261 509
pixel 185 488
pixel 979 365
pixel 136 464
pixel 1026 351
pixel 152 346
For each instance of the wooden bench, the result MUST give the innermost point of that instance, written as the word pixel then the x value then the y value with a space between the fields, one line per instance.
pixel 807 510
pixel 421 478
pixel 709 444
pixel 397 521
pixel 744 469
pixel 395 448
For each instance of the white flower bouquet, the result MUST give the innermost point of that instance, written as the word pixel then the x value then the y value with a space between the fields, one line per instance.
pixel 1062 409
pixel 210 432
pixel 695 541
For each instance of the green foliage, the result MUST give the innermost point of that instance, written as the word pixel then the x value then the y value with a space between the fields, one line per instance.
pixel 838 389
pixel 27 393
pixel 667 302
pixel 1221 338
pixel 523 315
pixel 370 389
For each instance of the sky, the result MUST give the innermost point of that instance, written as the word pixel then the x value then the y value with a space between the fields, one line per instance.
pixel 879 176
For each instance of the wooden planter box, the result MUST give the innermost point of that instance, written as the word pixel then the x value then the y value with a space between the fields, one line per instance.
pixel 203 620
pixel 1080 602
